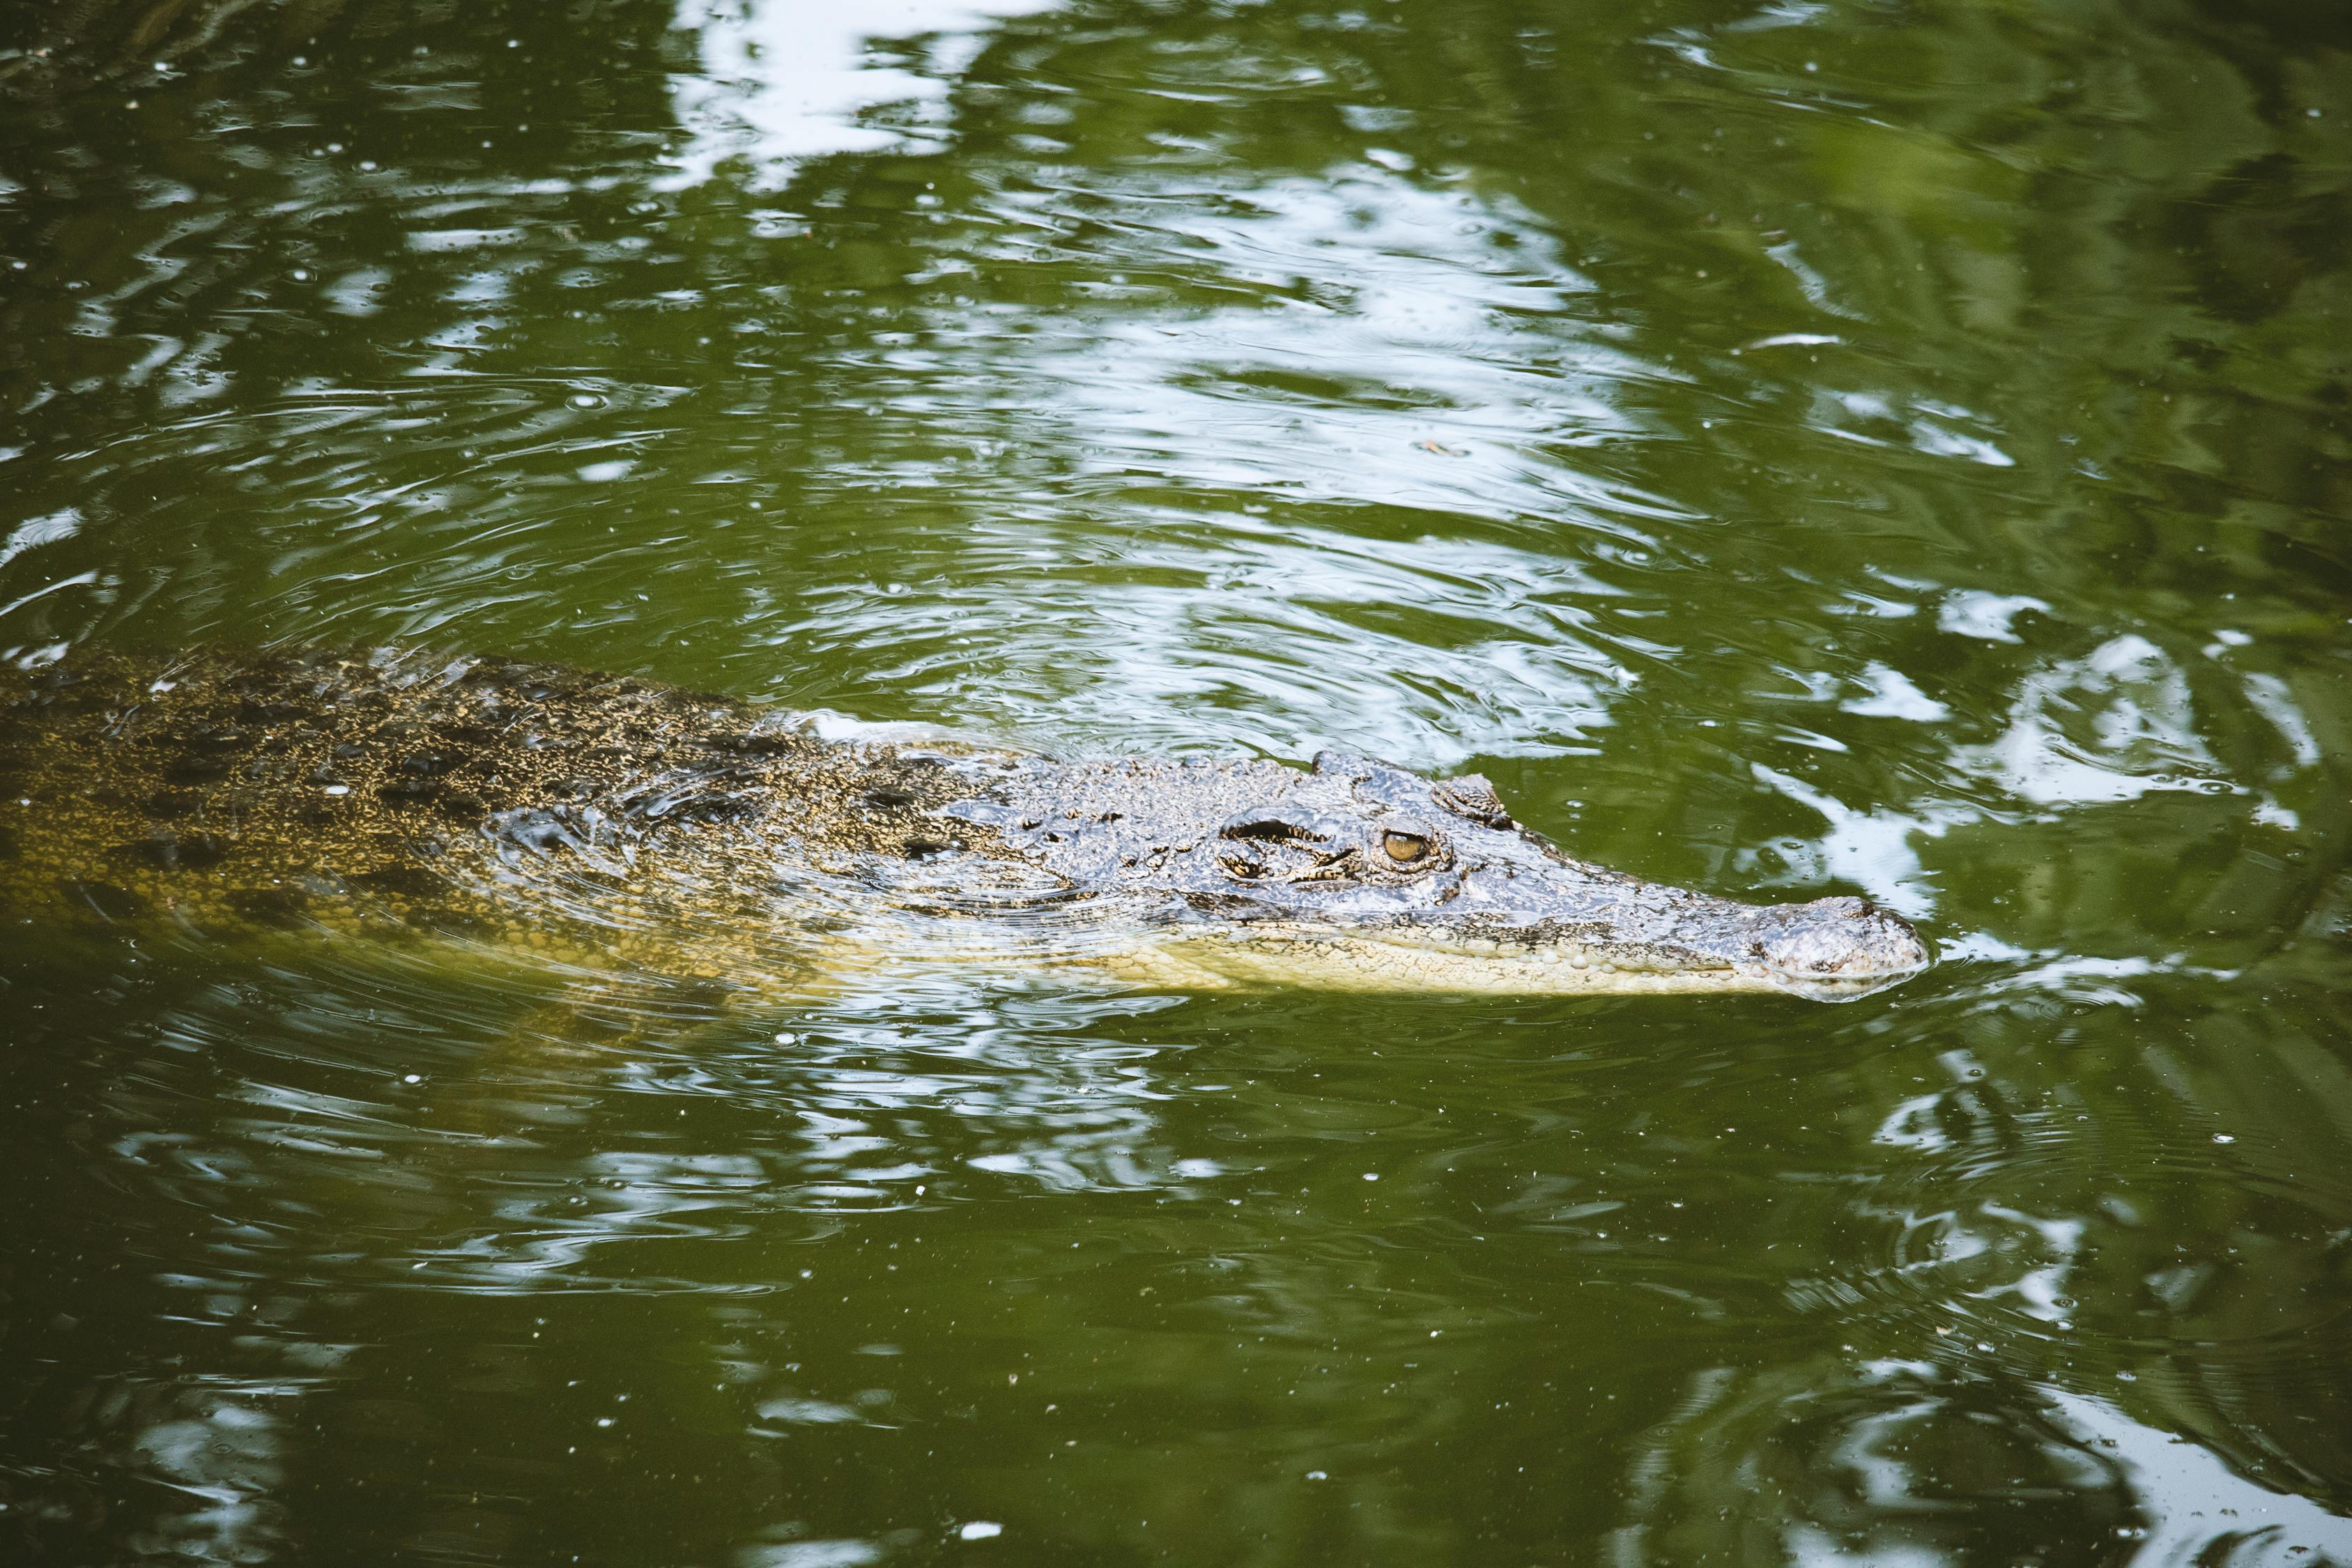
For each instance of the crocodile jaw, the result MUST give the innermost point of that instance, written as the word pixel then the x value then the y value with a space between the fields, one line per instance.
pixel 1407 960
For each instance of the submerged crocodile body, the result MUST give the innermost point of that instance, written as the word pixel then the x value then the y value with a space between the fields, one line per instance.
pixel 611 822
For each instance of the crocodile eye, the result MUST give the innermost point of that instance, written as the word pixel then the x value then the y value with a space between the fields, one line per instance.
pixel 1405 848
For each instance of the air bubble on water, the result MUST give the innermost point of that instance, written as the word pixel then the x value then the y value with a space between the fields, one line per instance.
pixel 585 400
pixel 2223 1137
pixel 981 1529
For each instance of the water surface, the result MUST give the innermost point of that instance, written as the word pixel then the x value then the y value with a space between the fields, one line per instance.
pixel 1843 446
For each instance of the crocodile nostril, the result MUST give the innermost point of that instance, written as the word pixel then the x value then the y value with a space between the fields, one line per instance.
pixel 1842 937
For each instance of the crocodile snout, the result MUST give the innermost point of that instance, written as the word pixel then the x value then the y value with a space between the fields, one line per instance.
pixel 1841 939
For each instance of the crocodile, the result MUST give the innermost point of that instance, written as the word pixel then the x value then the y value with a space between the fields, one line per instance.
pixel 616 823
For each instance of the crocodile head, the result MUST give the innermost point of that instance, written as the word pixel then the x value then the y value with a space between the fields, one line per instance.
pixel 1362 876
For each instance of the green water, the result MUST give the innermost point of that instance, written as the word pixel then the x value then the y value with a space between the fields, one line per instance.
pixel 1892 446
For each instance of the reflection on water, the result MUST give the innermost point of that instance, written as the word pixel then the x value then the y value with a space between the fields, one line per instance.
pixel 1898 1461
pixel 1791 450
pixel 780 81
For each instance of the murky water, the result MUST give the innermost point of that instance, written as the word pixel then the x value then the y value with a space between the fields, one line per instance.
pixel 1839 447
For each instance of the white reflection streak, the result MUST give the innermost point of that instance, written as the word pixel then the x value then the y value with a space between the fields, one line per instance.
pixel 225 1463
pixel 2275 700
pixel 1973 613
pixel 2192 1500
pixel 1871 849
pixel 2112 726
pixel 786 81
pixel 1714 1454
pixel 39 530
pixel 1892 695
pixel 2037 1291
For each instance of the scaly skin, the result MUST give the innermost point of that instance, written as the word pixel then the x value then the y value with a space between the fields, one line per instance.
pixel 616 823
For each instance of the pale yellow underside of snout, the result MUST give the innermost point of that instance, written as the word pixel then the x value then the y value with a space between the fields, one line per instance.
pixel 1322 963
